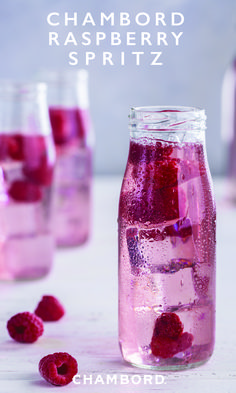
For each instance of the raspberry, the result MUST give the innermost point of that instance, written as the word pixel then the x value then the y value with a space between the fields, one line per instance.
pixel 168 324
pixel 184 341
pixel 64 124
pixel 25 327
pixel 58 368
pixel 49 309
pixel 164 347
pixel 16 147
pixel 152 205
pixel 38 159
pixel 3 146
pixel 163 173
pixel 168 338
pixel 24 191
pixel 139 152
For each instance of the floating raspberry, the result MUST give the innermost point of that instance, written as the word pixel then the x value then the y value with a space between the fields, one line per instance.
pixel 38 159
pixel 58 368
pixel 164 347
pixel 168 324
pixel 3 146
pixel 64 124
pixel 184 341
pixel 49 309
pixel 168 338
pixel 24 191
pixel 25 327
pixel 16 147
pixel 152 205
pixel 163 173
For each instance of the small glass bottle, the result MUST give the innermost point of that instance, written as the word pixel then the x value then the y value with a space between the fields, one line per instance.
pixel 27 158
pixel 167 224
pixel 72 131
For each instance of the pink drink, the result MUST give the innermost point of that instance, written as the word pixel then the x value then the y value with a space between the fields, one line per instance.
pixel 166 255
pixel 73 175
pixel 26 172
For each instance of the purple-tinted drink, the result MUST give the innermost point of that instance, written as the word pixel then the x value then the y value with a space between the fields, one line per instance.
pixel 73 175
pixel 166 243
pixel 27 158
pixel 71 126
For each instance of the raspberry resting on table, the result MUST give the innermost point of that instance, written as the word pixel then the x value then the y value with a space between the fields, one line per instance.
pixel 49 309
pixel 25 327
pixel 58 368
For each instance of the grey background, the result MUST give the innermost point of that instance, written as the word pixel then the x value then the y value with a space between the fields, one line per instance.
pixel 191 75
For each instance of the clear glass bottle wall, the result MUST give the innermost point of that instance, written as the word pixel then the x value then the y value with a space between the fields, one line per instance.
pixel 73 136
pixel 167 226
pixel 27 158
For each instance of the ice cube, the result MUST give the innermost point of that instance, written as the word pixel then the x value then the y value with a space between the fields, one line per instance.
pixel 23 218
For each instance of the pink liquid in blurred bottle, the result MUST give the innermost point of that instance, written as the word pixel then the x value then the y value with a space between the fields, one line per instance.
pixel 71 125
pixel 27 157
pixel 166 242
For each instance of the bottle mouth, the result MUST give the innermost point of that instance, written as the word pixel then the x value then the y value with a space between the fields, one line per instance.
pixel 64 77
pixel 167 118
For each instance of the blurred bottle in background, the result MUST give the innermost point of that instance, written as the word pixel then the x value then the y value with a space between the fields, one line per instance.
pixel 27 158
pixel 228 128
pixel 73 137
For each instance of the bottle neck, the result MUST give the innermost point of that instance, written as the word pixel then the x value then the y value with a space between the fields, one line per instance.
pixel 171 124
pixel 68 89
pixel 23 109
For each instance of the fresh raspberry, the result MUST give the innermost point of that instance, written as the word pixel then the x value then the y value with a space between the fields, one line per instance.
pixel 168 324
pixel 24 191
pixel 38 159
pixel 49 309
pixel 25 327
pixel 16 147
pixel 141 152
pixel 184 341
pixel 151 205
pixel 163 173
pixel 58 368
pixel 3 146
pixel 64 122
pixel 168 338
pixel 42 174
pixel 164 347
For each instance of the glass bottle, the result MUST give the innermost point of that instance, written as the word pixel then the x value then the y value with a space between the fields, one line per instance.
pixel 167 224
pixel 72 131
pixel 27 158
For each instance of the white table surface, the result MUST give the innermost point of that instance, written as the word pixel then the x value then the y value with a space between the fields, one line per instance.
pixel 85 280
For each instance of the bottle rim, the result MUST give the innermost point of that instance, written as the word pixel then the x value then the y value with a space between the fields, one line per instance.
pixel 64 76
pixel 167 118
pixel 18 88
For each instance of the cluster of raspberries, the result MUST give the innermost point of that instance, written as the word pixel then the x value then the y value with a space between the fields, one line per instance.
pixel 58 368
